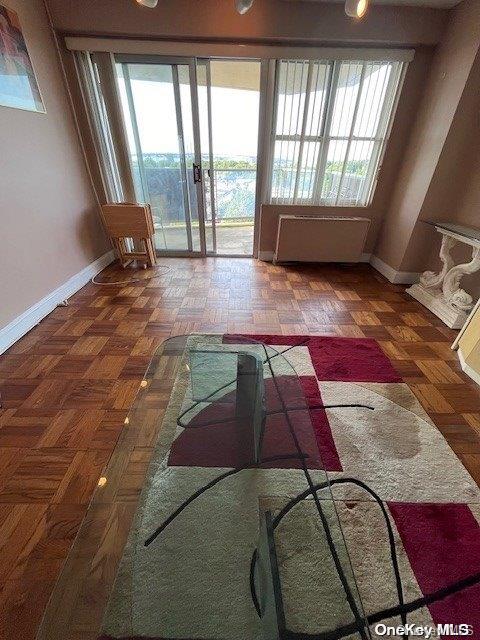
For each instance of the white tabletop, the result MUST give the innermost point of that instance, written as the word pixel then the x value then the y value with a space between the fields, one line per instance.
pixel 468 235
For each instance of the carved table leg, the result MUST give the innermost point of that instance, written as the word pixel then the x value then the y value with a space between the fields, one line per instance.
pixel 441 292
pixel 451 283
pixel 429 278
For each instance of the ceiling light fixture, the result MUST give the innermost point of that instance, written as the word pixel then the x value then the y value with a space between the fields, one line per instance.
pixel 242 6
pixel 356 8
pixel 151 4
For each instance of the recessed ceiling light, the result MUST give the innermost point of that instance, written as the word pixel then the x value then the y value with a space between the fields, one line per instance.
pixel 242 6
pixel 356 8
pixel 151 4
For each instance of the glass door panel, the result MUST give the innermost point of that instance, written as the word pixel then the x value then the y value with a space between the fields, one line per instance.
pixel 156 101
pixel 205 116
pixel 187 115
pixel 229 100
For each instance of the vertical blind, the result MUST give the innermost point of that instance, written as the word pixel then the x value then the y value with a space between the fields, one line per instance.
pixel 330 126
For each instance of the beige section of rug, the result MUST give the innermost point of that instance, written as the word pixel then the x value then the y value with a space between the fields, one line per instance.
pixel 304 567
pixel 394 448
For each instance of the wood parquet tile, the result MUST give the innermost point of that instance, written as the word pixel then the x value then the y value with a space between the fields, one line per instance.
pixel 67 386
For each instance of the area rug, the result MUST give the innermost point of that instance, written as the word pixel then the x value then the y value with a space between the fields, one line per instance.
pixel 408 509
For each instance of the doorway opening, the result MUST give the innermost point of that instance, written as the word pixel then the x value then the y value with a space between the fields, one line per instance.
pixel 229 102
pixel 191 129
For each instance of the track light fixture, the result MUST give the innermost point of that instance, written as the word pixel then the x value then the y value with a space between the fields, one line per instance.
pixel 356 8
pixel 242 6
pixel 151 4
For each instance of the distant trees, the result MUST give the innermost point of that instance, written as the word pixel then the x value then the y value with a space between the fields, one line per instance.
pixel 229 163
pixel 235 182
pixel 172 161
pixel 354 167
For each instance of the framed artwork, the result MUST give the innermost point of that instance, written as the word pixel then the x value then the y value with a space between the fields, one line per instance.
pixel 18 84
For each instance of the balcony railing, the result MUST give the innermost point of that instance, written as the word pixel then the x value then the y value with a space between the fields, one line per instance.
pixel 234 194
pixel 283 187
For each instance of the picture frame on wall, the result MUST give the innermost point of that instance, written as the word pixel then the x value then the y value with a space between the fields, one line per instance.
pixel 18 83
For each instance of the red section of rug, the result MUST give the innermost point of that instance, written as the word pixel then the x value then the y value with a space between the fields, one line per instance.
pixel 320 424
pixel 213 438
pixel 442 542
pixel 338 359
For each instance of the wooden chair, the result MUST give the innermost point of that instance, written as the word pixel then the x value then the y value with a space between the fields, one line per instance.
pixel 134 221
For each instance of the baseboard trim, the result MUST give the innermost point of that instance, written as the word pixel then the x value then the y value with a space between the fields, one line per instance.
pixel 474 375
pixel 32 316
pixel 267 256
pixel 391 274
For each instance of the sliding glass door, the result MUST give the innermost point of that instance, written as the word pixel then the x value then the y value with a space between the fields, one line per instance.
pixel 184 138
pixel 158 100
pixel 229 102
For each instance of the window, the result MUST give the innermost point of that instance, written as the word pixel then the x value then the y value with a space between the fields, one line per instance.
pixel 330 126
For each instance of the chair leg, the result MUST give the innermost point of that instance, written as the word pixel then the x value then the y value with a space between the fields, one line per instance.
pixel 123 251
pixel 150 251
pixel 118 248
pixel 126 260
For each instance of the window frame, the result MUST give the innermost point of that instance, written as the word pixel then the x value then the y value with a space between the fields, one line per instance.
pixel 393 90
pixel 90 86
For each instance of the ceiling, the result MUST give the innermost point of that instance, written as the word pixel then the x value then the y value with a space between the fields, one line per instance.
pixel 439 4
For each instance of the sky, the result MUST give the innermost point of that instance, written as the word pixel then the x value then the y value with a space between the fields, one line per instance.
pixel 234 118
pixel 235 115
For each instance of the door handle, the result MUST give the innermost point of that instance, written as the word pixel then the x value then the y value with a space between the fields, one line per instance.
pixel 197 173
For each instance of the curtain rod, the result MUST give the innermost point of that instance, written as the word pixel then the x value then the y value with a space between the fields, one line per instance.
pixel 217 49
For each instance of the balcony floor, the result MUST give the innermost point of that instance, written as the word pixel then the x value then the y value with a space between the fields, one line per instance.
pixel 231 240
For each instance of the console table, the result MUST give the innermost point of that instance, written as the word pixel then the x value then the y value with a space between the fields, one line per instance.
pixel 441 292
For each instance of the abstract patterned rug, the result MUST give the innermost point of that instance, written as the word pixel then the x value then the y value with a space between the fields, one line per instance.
pixel 192 581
